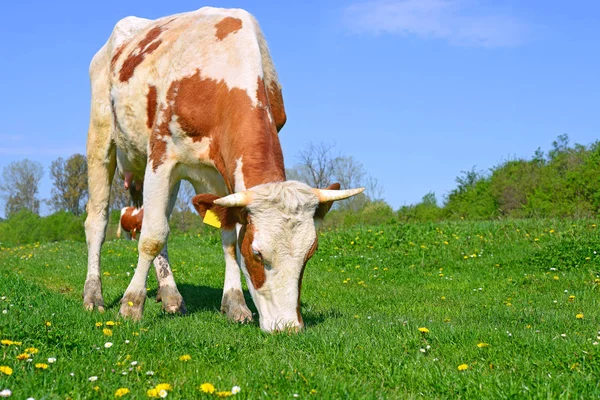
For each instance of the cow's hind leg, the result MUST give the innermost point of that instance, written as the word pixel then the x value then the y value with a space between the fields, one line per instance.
pixel 155 230
pixel 168 294
pixel 233 303
pixel 101 168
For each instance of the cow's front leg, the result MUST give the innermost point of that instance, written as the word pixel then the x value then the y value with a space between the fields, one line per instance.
pixel 233 303
pixel 168 294
pixel 155 231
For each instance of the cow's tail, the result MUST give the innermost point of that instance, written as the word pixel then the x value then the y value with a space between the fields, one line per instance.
pixel 136 196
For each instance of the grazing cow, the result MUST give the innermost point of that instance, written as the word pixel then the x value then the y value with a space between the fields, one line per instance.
pixel 195 96
pixel 130 221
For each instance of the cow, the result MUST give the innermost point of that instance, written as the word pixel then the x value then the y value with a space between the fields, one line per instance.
pixel 195 96
pixel 130 221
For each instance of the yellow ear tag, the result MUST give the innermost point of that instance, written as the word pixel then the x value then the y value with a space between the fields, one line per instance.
pixel 210 218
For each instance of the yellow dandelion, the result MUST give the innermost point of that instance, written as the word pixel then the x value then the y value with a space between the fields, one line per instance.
pixel 121 392
pixel 48 323
pixel 571 298
pixel 224 394
pixel 110 323
pixel 96 388
pixel 130 303
pixel 7 342
pixel 31 350
pixel 98 324
pixel 107 332
pixel 6 370
pixel 185 357
pixel 23 356
pixel 463 367
pixel 480 345
pixel 207 388
pixel 556 278
pixel 164 386
pixel 423 330
pixel 41 366
pixel 579 316
pixel 153 393
pixel 443 297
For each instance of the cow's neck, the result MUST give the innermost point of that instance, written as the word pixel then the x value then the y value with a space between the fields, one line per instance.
pixel 253 162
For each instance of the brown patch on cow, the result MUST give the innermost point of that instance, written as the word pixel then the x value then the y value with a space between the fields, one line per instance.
pixel 229 216
pixel 227 26
pixel 132 223
pixel 116 56
pixel 158 145
pixel 137 55
pixel 151 106
pixel 277 108
pixel 151 247
pixel 254 266
pixel 158 150
pixel 208 108
pixel 230 250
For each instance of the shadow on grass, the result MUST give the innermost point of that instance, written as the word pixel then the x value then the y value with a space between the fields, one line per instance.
pixel 205 298
pixel 312 318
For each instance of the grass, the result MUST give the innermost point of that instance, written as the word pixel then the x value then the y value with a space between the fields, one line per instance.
pixel 502 299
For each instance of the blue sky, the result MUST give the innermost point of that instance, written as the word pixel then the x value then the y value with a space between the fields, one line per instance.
pixel 416 90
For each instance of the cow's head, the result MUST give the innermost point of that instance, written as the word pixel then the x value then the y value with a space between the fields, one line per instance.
pixel 276 240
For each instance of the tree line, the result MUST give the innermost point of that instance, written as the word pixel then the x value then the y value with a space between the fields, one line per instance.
pixel 564 182
pixel 319 165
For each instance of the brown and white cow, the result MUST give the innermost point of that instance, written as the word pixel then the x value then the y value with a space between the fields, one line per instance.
pixel 195 96
pixel 130 221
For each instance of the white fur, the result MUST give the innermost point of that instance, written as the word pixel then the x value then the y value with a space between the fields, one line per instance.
pixel 239 176
pixel 282 214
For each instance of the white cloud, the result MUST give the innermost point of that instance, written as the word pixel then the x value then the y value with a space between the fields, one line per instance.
pixel 460 22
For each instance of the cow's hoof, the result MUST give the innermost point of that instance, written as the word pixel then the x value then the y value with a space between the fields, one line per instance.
pixel 172 301
pixel 234 306
pixel 92 295
pixel 132 306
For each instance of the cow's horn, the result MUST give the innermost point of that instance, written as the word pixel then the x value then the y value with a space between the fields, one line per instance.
pixel 333 195
pixel 240 199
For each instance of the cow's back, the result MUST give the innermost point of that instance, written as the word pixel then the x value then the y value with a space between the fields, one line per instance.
pixel 137 74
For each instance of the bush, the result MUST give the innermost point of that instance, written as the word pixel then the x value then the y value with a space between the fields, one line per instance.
pixel 372 213
pixel 26 227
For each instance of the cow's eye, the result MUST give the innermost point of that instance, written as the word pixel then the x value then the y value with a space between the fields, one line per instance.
pixel 257 254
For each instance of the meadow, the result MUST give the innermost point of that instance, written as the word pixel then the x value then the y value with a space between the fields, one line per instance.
pixel 503 309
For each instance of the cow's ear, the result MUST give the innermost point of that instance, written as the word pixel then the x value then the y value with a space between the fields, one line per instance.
pixel 324 207
pixel 228 216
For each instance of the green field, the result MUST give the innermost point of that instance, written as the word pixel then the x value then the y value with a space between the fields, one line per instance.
pixel 510 311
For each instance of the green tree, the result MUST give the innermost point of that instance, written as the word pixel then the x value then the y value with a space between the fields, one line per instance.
pixel 20 185
pixel 70 184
